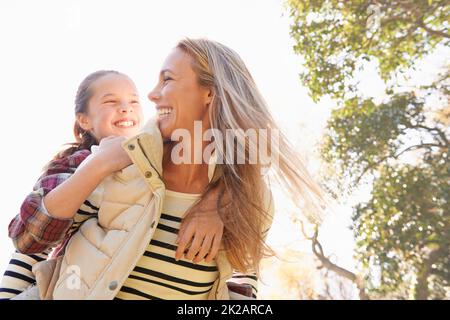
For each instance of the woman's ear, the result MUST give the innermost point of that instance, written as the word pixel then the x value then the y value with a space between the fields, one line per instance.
pixel 83 121
pixel 209 96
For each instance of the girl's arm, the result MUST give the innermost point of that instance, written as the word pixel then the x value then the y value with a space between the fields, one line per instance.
pixel 33 230
pixel 65 199
pixel 36 228
pixel 47 213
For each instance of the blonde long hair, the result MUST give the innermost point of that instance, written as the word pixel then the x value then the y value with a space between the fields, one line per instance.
pixel 238 104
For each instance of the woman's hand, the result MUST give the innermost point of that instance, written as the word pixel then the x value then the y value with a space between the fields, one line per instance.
pixel 203 226
pixel 111 155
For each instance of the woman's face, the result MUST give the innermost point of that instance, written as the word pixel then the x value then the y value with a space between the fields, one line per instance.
pixel 179 98
pixel 113 109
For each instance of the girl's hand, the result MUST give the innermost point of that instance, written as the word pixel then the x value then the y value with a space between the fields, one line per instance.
pixel 111 155
pixel 203 226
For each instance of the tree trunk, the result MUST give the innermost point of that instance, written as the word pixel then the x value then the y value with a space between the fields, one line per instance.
pixel 421 290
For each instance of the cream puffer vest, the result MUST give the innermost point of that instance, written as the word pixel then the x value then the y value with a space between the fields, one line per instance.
pixel 101 255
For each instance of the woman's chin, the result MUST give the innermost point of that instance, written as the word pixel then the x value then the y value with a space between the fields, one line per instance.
pixel 164 128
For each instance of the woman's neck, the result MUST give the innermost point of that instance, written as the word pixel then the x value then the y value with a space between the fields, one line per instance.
pixel 187 178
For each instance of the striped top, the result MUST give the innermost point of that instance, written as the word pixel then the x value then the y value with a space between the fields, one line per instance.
pixel 157 274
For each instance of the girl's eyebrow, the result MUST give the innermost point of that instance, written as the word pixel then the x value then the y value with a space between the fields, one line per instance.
pixel 106 95
pixel 111 94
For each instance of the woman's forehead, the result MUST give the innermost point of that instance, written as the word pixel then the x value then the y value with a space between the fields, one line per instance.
pixel 177 61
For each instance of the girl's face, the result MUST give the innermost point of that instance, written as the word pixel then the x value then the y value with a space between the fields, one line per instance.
pixel 179 99
pixel 113 109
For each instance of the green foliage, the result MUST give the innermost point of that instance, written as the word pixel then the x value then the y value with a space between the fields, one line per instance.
pixel 403 230
pixel 361 134
pixel 400 146
pixel 335 37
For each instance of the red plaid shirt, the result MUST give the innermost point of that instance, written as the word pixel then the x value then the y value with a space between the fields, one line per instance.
pixel 33 230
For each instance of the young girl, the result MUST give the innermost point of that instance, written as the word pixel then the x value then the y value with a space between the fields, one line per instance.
pixel 107 111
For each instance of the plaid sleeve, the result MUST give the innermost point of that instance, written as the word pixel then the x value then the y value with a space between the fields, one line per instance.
pixel 33 230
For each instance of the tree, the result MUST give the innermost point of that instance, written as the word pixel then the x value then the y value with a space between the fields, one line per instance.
pixel 400 146
pixel 403 230
pixel 335 37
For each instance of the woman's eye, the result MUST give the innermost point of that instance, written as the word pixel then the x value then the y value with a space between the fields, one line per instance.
pixel 135 102
pixel 110 101
pixel 167 79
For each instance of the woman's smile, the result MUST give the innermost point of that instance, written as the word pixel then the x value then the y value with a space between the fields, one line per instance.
pixel 164 113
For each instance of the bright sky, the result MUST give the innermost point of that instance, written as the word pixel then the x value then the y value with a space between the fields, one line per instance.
pixel 48 47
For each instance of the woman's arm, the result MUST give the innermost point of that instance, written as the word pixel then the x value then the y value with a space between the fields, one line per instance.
pixel 201 229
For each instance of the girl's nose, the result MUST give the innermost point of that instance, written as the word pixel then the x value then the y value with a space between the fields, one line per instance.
pixel 125 107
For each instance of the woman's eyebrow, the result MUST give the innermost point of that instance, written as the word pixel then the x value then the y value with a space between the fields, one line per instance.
pixel 165 70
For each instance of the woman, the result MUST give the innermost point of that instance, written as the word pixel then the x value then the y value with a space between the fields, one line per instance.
pixel 205 81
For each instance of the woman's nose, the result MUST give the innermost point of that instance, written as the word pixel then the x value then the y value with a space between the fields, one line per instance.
pixel 154 95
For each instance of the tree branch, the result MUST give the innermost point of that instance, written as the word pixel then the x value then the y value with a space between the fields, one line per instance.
pixel 435 129
pixel 395 156
pixel 432 31
pixel 326 263
pixel 418 18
